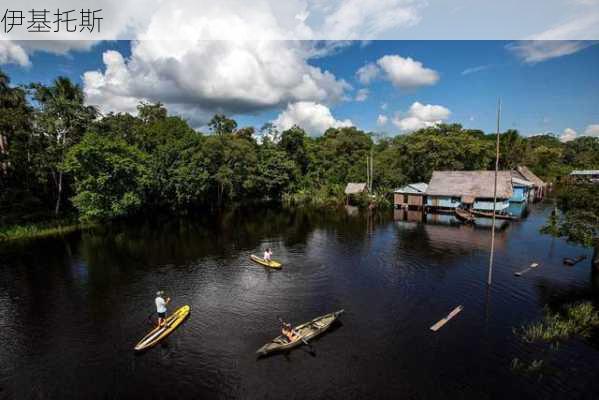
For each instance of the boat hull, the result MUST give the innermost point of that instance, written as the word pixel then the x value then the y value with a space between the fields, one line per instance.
pixel 307 331
pixel 270 264
pixel 159 333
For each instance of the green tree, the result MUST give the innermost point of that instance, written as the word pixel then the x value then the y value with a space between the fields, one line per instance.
pixel 221 125
pixel 277 173
pixel 111 177
pixel 61 119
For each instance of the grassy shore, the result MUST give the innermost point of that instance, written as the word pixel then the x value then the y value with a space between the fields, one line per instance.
pixel 37 230
pixel 575 319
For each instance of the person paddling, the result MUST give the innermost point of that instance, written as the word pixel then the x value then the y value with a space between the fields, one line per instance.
pixel 268 254
pixel 161 307
pixel 288 331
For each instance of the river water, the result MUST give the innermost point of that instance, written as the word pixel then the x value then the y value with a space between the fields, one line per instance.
pixel 72 308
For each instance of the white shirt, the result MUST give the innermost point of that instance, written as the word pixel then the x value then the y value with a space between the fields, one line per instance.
pixel 267 255
pixel 160 305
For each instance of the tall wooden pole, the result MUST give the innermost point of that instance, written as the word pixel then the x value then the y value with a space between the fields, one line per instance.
pixel 489 278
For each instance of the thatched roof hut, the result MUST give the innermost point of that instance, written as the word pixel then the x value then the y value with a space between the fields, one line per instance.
pixel 469 185
pixel 355 188
pixel 530 176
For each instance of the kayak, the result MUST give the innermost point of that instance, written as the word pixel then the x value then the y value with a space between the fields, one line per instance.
pixel 306 331
pixel 262 261
pixel 159 333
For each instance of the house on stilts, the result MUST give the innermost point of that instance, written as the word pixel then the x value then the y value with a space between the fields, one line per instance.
pixel 473 190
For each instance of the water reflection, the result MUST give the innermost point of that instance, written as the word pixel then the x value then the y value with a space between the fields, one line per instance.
pixel 72 308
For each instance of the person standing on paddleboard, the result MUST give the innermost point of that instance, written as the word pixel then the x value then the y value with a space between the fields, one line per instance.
pixel 161 306
pixel 268 254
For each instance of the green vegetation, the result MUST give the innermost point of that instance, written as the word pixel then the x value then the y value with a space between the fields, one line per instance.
pixel 578 220
pixel 40 230
pixel 59 157
pixel 575 319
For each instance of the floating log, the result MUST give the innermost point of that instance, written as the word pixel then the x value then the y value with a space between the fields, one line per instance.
pixel 445 320
pixel 574 261
pixel 525 270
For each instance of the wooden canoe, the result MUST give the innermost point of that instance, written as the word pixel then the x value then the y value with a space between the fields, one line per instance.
pixel 489 214
pixel 262 261
pixel 159 333
pixel 464 215
pixel 574 261
pixel 306 331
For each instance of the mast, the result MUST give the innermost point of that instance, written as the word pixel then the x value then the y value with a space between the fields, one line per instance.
pixel 489 278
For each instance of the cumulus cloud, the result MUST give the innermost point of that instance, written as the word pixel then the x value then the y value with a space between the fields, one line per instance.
pixel 314 118
pixel 401 72
pixel 407 72
pixel 356 19
pixel 421 116
pixel 568 135
pixel 362 94
pixel 199 78
pixel 367 73
pixel 12 53
pixel 382 120
pixel 592 130
pixel 536 51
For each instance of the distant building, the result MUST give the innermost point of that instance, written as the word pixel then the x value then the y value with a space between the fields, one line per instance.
pixel 522 188
pixel 410 196
pixel 539 187
pixel 353 189
pixel 591 175
pixel 469 189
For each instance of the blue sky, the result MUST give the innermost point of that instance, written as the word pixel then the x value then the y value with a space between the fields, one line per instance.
pixel 549 94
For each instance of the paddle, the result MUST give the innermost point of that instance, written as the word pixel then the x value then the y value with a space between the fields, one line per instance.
pixel 149 318
pixel 293 331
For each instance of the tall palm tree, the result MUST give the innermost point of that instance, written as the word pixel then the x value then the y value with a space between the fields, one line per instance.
pixel 63 118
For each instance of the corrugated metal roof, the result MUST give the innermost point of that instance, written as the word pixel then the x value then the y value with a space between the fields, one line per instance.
pixel 478 184
pixel 355 188
pixel 522 182
pixel 413 188
pixel 585 172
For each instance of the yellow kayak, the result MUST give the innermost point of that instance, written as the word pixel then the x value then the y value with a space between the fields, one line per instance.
pixel 262 261
pixel 159 333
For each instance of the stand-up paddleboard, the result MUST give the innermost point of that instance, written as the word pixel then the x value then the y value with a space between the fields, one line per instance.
pixel 262 261
pixel 159 333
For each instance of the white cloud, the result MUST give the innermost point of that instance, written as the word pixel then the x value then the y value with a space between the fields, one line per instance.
pixel 421 116
pixel 12 53
pixel 382 120
pixel 584 26
pixel 535 51
pixel 384 106
pixel 314 118
pixel 402 72
pixel 367 73
pixel 473 70
pixel 199 78
pixel 362 94
pixel 407 72
pixel 592 130
pixel 568 135
pixel 358 19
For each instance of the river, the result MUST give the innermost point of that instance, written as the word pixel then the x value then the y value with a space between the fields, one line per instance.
pixel 73 307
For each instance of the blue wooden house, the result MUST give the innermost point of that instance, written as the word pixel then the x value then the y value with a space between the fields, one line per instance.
pixel 474 190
